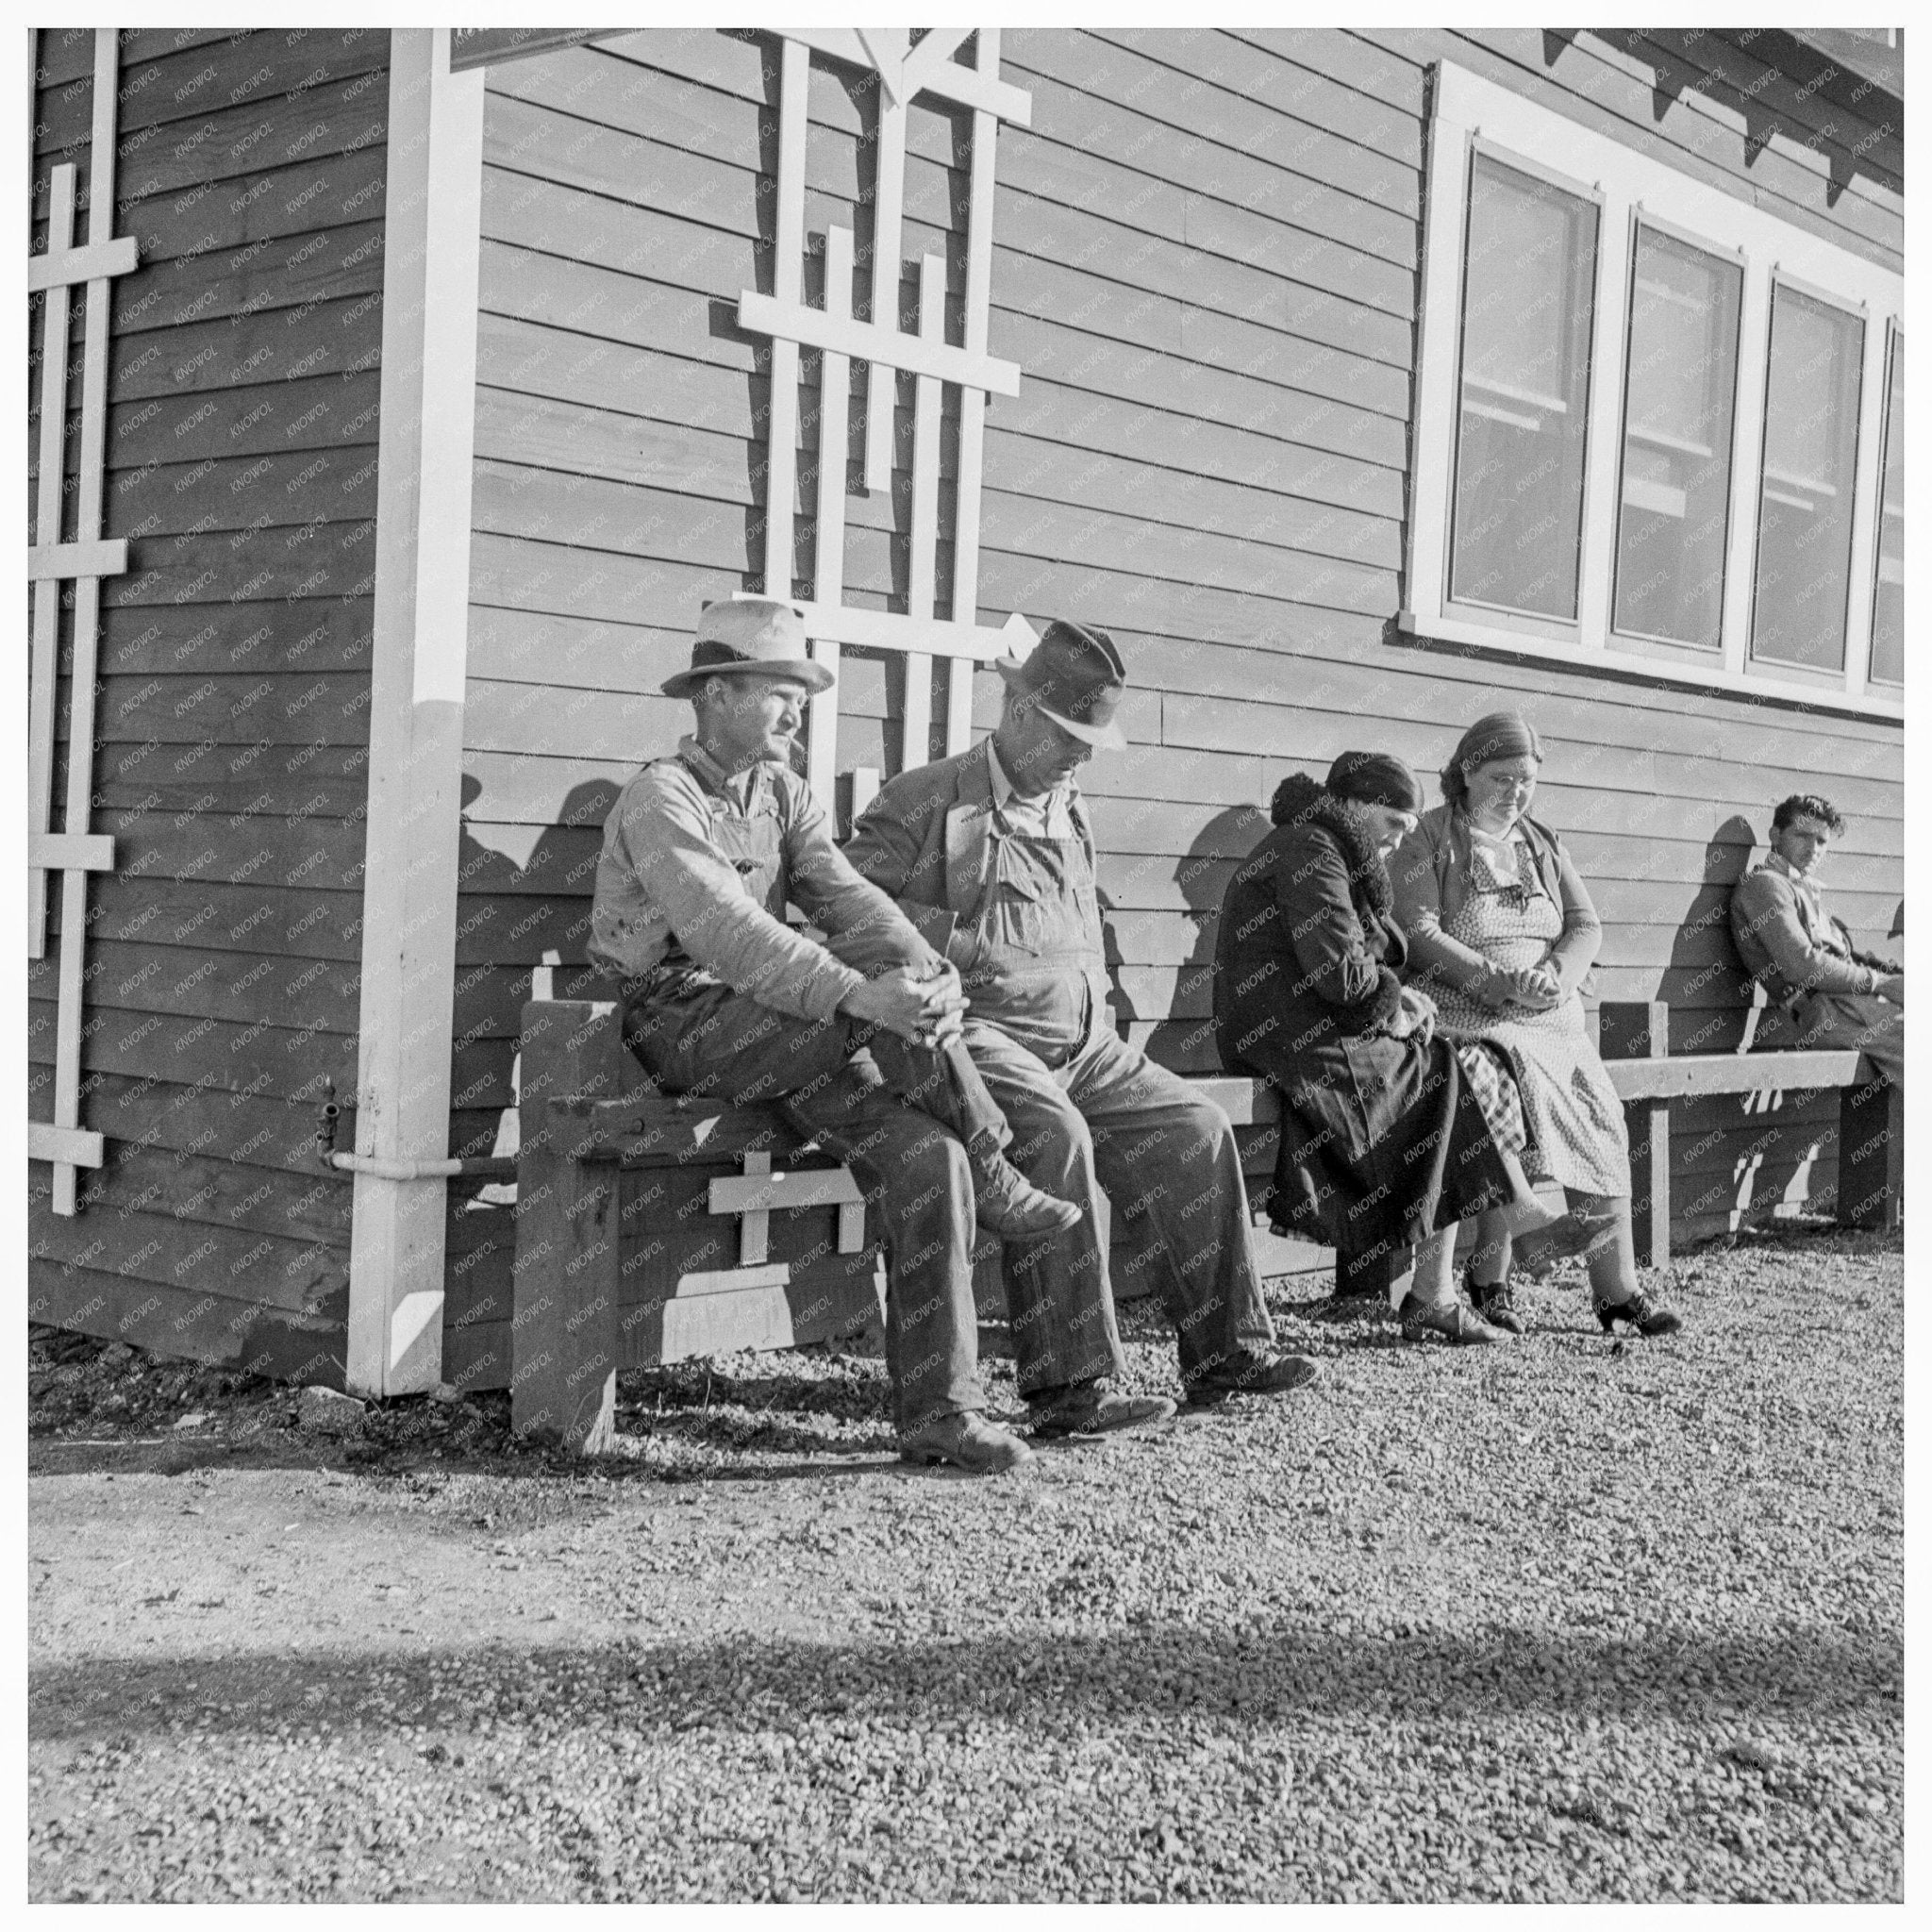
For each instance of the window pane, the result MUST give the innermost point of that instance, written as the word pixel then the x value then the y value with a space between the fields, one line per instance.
pixel 1805 513
pixel 1671 522
pixel 1526 306
pixel 1888 602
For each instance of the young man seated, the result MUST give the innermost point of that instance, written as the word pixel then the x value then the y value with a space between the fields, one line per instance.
pixel 1832 993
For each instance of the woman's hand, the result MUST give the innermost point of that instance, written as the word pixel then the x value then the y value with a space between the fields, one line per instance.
pixel 1537 987
pixel 1416 1015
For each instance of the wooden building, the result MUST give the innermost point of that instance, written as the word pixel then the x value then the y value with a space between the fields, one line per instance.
pixel 1356 381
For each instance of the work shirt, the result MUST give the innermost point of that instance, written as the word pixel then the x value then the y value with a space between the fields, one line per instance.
pixel 1047 815
pixel 697 867
pixel 1004 885
pixel 1790 941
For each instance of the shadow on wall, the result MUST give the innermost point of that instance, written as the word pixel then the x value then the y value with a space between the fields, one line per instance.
pixel 1735 1162
pixel 1185 1040
pixel 522 929
pixel 1704 982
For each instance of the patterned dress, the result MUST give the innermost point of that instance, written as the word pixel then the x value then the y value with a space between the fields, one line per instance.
pixel 1575 1119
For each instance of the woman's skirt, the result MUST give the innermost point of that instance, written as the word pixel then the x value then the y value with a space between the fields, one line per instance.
pixel 1384 1141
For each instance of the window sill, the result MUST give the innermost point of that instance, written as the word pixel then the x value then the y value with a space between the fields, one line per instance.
pixel 1758 685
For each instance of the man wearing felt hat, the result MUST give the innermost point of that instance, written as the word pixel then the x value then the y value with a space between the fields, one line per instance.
pixel 856 1040
pixel 991 855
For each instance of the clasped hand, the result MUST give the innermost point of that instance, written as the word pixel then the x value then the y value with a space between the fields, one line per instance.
pixel 929 1009
pixel 1534 988
pixel 1416 1015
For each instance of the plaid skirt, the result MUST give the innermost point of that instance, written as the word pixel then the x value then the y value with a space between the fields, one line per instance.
pixel 1493 1081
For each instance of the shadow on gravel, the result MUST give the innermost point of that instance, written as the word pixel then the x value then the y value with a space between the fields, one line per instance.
pixel 1145 1673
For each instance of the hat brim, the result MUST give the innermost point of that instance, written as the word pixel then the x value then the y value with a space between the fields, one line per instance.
pixel 814 677
pixel 1102 737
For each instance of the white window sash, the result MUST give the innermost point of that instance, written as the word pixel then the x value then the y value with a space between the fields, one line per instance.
pixel 1469 111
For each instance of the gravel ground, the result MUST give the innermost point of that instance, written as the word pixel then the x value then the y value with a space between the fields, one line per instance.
pixel 1570 1620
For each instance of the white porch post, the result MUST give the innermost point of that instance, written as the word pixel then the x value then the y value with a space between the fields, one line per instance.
pixel 433 212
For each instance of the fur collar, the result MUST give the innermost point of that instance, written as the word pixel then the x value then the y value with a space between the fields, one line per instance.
pixel 1305 803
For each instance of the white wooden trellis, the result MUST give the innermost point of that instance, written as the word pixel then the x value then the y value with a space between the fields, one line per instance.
pixel 905 69
pixel 83 561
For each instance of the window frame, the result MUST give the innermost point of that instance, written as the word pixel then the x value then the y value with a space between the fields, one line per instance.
pixel 1469 113
pixel 1894 340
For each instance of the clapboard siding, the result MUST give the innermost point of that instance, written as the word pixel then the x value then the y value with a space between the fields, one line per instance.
pixel 1205 263
pixel 231 725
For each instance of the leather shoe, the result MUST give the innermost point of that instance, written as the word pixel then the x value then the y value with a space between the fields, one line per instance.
pixel 1252 1374
pixel 1644 1315
pixel 1453 1321
pixel 1093 1408
pixel 966 1439
pixel 1009 1204
pixel 1494 1303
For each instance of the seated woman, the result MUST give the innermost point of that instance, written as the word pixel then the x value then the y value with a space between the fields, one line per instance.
pixel 1501 934
pixel 1385 1136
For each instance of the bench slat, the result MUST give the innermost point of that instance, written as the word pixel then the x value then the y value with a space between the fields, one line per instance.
pixel 1732 1073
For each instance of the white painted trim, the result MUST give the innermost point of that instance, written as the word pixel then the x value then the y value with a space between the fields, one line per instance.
pixel 71 1146
pixel 115 257
pixel 788 276
pixel 890 630
pixel 98 557
pixel 886 349
pixel 981 87
pixel 829 551
pixel 425 451
pixel 1658 671
pixel 1467 108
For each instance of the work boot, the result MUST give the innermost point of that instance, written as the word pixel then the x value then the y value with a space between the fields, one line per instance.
pixel 1093 1408
pixel 966 1439
pixel 1009 1204
pixel 1254 1371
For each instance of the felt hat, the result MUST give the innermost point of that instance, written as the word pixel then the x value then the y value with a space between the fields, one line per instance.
pixel 756 635
pixel 1075 677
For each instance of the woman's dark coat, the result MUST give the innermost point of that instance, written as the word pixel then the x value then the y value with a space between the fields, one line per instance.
pixel 1382 1139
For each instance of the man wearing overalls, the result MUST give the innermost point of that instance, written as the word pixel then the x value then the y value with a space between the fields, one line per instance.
pixel 991 856
pixel 856 1041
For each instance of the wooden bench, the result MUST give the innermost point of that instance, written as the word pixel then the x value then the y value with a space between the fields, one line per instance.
pixel 651 1228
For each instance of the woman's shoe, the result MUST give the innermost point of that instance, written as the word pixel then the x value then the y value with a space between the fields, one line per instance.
pixel 1493 1302
pixel 1540 1252
pixel 1646 1316
pixel 1456 1323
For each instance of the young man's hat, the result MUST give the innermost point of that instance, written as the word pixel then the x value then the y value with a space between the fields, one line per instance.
pixel 757 636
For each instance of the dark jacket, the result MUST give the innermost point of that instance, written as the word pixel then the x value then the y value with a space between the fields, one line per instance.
pixel 1381 1140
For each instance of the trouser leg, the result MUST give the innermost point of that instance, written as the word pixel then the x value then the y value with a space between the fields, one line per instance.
pixel 1060 1301
pixel 1163 1148
pixel 912 1172
pixel 914 1175
pixel 1875 1027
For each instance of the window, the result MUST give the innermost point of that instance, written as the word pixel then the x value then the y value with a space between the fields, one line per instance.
pixel 1806 485
pixel 1889 595
pixel 1525 380
pixel 1656 427
pixel 1680 390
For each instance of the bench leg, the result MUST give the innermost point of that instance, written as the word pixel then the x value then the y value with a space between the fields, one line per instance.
pixel 1871 1155
pixel 1649 1122
pixel 563 1328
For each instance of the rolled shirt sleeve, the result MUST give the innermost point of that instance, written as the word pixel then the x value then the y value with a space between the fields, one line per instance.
pixel 662 840
pixel 868 929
